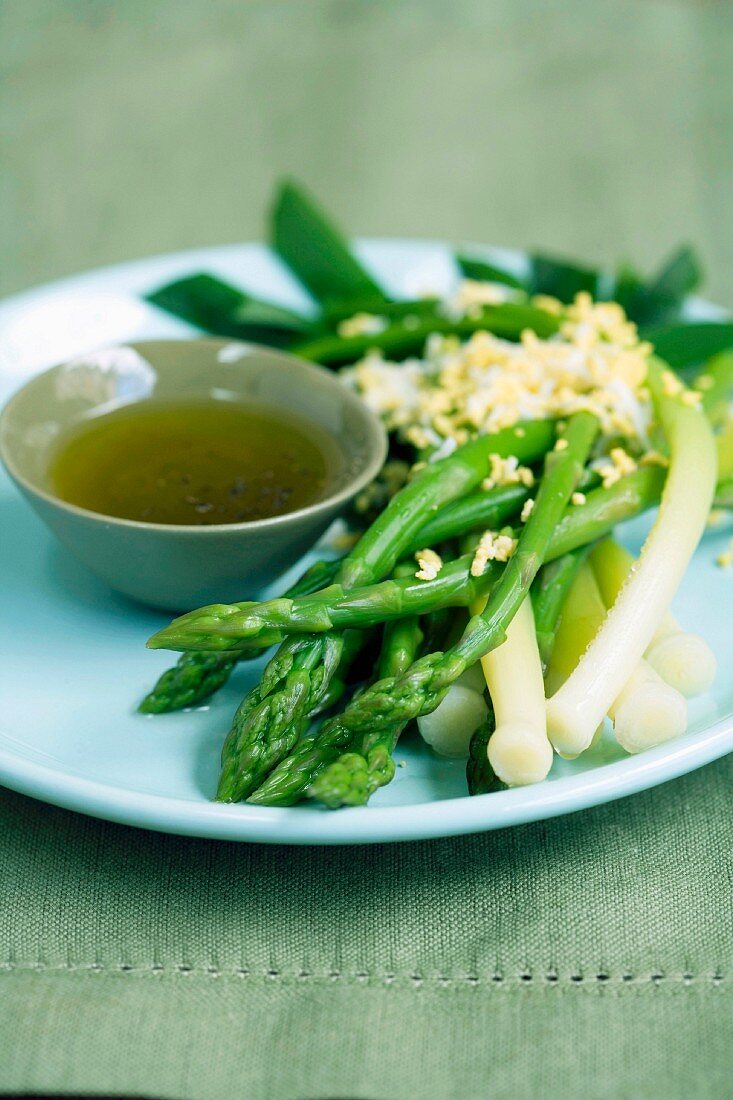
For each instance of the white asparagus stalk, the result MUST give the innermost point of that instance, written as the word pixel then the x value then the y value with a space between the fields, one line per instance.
pixel 685 661
pixel 519 751
pixel 576 709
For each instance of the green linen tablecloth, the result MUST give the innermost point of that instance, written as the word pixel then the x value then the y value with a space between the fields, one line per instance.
pixel 589 955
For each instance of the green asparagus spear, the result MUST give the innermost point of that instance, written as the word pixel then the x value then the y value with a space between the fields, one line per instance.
pixel 480 511
pixel 192 679
pixel 437 484
pixel 419 691
pixel 480 776
pixel 197 676
pixel 477 511
pixel 548 595
pixel 335 312
pixel 562 473
pixel 212 305
pixel 308 678
pixel 354 644
pixel 354 776
pixel 402 640
pixel 272 716
pixel 604 508
pixel 339 608
pixel 400 340
pixel 315 250
pixel 277 719
pixel 377 551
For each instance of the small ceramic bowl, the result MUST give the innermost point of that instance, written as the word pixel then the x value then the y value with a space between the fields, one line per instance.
pixel 170 566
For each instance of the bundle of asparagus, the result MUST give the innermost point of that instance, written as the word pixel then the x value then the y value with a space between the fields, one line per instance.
pixel 518 591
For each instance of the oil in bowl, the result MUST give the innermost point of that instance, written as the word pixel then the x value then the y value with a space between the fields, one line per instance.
pixel 195 462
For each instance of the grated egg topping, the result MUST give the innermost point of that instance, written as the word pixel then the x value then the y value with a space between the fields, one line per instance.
pixel 430 564
pixel 527 510
pixel 596 362
pixel 492 547
pixel 362 324
pixel 507 471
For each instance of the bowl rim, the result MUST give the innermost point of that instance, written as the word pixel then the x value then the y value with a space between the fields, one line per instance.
pixel 378 444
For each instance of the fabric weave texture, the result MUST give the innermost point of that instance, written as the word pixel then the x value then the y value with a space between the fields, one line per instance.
pixel 588 955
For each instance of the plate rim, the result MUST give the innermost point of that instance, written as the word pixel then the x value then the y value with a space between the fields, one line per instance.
pixel 374 824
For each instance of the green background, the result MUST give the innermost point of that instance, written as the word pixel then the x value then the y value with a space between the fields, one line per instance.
pixel 586 956
pixel 597 127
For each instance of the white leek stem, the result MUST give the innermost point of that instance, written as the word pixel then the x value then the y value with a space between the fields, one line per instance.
pixel 449 728
pixel 648 711
pixel 519 751
pixel 576 709
pixel 684 661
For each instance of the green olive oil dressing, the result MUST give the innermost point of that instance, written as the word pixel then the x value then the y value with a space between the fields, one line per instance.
pixel 196 462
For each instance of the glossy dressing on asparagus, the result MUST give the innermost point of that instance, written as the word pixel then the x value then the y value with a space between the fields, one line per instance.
pixel 195 462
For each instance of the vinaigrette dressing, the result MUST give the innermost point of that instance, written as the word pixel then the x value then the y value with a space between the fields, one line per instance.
pixel 194 462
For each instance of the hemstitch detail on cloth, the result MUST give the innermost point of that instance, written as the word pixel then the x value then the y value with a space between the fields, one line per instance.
pixel 364 977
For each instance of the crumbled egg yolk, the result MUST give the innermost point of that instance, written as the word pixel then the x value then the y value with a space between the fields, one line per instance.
pixel 430 565
pixel 596 362
pixel 671 385
pixel 362 324
pixel 507 471
pixel 491 547
pixel 526 510
pixel 473 294
pixel 615 466
pixel 548 304
pixel 653 458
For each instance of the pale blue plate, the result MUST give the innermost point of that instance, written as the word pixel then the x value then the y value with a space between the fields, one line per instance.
pixel 73 658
